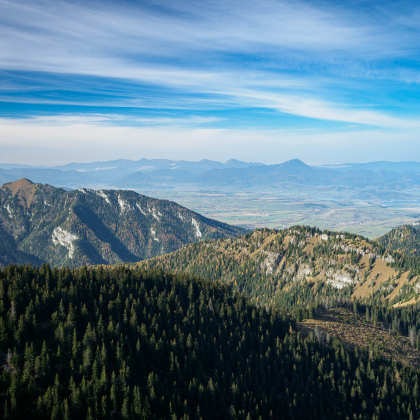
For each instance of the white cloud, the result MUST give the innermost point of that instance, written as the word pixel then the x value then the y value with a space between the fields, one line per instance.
pixel 214 55
pixel 323 110
pixel 62 30
pixel 106 120
pixel 116 40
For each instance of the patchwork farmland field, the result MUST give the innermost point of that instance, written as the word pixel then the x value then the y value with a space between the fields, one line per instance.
pixel 370 218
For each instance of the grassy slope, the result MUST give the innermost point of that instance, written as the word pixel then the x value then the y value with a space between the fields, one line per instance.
pixel 267 263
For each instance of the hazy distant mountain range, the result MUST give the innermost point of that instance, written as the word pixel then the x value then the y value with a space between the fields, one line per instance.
pixel 378 166
pixel 152 174
pixel 40 223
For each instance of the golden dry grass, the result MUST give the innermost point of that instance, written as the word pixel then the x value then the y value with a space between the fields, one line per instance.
pixel 266 241
pixel 412 301
pixel 400 283
pixel 379 274
pixel 311 243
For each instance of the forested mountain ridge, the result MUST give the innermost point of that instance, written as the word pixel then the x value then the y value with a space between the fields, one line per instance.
pixel 119 343
pixel 312 274
pixel 404 239
pixel 40 223
pixel 300 266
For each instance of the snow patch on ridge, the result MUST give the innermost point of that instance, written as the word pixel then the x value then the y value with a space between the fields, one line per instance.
pixel 123 205
pixel 155 215
pixel 8 210
pixel 103 195
pixel 139 207
pixel 196 225
pixel 64 238
pixel 154 235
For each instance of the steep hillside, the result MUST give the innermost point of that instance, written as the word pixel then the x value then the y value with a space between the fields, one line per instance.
pixel 9 254
pixel 404 239
pixel 94 227
pixel 300 266
pixel 131 344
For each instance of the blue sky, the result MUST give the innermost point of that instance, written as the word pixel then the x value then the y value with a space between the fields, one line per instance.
pixel 265 81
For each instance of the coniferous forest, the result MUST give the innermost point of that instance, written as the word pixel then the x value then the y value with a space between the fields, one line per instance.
pixel 125 343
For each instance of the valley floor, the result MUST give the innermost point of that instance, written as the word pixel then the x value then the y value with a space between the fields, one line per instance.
pixel 338 212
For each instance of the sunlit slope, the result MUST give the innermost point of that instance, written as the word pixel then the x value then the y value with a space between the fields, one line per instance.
pixel 299 266
pixel 404 239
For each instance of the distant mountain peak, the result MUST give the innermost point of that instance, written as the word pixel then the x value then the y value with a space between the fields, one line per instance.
pixel 295 162
pixel 24 189
pixel 18 184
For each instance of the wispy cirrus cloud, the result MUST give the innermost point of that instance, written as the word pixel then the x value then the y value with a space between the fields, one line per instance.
pixel 339 63
pixel 105 120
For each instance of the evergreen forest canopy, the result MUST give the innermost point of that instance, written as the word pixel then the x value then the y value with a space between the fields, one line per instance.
pixel 304 270
pixel 403 239
pixel 125 343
